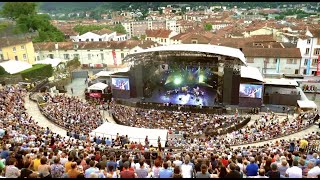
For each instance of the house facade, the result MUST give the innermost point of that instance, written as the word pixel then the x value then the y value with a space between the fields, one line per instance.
pixel 99 35
pixel 97 54
pixel 271 61
pixel 161 36
pixel 309 46
pixel 17 49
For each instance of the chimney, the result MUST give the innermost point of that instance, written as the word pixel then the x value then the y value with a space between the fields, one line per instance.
pixel 56 46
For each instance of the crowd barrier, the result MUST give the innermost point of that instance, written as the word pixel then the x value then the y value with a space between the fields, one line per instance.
pixel 185 108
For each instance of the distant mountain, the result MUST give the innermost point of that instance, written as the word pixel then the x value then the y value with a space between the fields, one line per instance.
pixel 68 6
pixel 105 6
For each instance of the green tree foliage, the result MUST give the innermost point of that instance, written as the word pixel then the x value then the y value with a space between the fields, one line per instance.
pixel 81 29
pixel 74 63
pixel 13 10
pixel 27 20
pixel 208 27
pixel 3 71
pixel 38 71
pixel 134 38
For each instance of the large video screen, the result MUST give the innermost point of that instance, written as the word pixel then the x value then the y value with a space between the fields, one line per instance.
pixel 120 84
pixel 250 90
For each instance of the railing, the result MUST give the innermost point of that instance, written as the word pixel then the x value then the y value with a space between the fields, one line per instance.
pixel 185 108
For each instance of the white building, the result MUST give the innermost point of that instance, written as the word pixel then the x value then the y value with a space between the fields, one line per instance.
pixel 97 53
pixel 99 35
pixel 309 46
pixel 271 61
pixel 161 36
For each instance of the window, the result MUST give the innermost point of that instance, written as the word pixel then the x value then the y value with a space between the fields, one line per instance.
pixel 122 55
pixel 307 51
pixel 250 60
pixel 79 40
pixel 14 49
pixel 66 56
pixel 76 55
pixel 317 51
pixel 291 61
pixel 314 62
pixel 91 39
pixel 102 56
pixel 38 58
pixel 24 56
pixel 194 42
pixel 89 56
pixel 22 47
pixel 1 57
pixel 308 41
pixel 51 56
pixel 100 39
pixel 75 46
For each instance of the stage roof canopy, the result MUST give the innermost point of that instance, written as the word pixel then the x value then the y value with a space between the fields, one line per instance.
pixel 251 73
pixel 281 82
pixel 13 66
pixel 307 104
pixel 136 134
pixel 206 48
pixel 98 86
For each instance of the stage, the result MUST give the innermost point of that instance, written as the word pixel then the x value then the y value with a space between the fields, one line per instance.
pixel 160 95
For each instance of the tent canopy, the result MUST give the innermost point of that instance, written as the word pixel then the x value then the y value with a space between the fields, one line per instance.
pixel 135 134
pixel 251 73
pixel 307 104
pixel 53 62
pixel 98 86
pixel 13 66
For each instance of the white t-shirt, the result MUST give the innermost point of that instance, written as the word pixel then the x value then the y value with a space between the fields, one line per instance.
pixel 294 172
pixel 314 172
pixel 177 163
pixel 186 170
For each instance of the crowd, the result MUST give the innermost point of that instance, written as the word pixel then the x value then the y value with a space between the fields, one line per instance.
pixel 72 113
pixel 31 151
pixel 174 121
pixel 267 127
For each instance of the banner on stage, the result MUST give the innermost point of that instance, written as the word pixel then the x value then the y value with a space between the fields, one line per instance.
pixel 95 95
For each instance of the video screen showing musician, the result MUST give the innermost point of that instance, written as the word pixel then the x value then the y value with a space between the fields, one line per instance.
pixel 120 83
pixel 250 90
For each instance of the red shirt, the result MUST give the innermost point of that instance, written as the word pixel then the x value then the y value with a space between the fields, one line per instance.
pixel 225 162
pixel 127 174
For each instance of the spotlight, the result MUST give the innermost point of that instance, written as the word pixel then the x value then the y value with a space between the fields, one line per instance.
pixel 201 78
pixel 177 81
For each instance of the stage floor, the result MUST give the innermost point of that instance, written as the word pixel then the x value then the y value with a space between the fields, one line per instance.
pixel 181 98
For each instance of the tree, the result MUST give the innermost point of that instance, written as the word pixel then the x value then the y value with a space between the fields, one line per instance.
pixel 13 10
pixel 208 27
pixel 3 71
pixel 119 29
pixel 134 38
pixel 143 37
